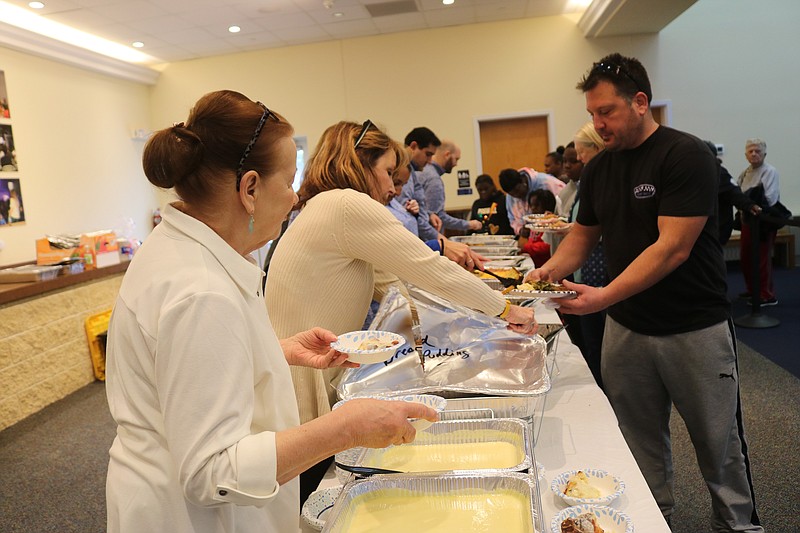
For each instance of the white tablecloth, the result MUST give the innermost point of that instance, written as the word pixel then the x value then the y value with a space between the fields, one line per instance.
pixel 578 429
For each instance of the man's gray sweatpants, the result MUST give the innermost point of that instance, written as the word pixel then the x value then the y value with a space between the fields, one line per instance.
pixel 698 372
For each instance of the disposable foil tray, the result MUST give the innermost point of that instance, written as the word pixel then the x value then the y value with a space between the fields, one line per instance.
pixel 460 405
pixel 443 503
pixel 460 435
pixel 490 250
pixel 485 240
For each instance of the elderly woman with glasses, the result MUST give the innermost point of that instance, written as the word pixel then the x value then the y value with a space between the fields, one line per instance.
pixel 345 247
pixel 208 436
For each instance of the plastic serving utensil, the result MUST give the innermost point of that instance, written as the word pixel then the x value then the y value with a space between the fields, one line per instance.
pixel 507 282
pixel 366 471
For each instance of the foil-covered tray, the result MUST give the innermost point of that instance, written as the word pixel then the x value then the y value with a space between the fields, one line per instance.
pixel 464 351
pixel 439 503
pixel 499 444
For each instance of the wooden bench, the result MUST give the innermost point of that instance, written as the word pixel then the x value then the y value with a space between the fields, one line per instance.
pixel 783 253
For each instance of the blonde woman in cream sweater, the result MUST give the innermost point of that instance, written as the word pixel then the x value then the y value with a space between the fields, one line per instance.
pixel 324 268
pixel 344 248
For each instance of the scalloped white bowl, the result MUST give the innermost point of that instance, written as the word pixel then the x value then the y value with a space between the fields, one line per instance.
pixel 318 505
pixel 610 486
pixel 610 519
pixel 349 343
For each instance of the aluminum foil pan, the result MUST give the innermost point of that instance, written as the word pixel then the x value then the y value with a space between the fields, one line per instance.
pixel 484 502
pixel 485 240
pixel 489 250
pixel 461 406
pixel 503 442
pixel 464 351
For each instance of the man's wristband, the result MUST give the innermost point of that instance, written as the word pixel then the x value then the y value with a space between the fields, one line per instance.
pixel 441 246
pixel 505 312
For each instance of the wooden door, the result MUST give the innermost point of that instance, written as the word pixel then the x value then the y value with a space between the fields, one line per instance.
pixel 512 143
pixel 659 114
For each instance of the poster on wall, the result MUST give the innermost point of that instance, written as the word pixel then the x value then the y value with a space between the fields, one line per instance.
pixel 5 112
pixel 11 208
pixel 8 153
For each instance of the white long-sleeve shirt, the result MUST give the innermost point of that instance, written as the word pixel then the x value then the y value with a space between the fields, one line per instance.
pixel 198 385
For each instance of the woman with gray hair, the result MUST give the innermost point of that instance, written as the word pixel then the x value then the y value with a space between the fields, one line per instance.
pixel 759 181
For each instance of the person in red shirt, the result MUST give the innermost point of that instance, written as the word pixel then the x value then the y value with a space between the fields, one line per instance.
pixel 540 201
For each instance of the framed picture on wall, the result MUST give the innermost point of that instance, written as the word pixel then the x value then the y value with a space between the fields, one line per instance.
pixel 5 112
pixel 11 208
pixel 8 153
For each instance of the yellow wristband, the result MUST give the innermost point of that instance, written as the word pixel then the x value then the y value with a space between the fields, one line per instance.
pixel 504 314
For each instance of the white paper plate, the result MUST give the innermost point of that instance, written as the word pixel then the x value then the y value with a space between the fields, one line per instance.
pixel 350 344
pixel 436 403
pixel 611 520
pixel 318 505
pixel 610 486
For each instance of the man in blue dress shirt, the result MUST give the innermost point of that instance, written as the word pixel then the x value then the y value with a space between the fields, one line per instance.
pixel 443 162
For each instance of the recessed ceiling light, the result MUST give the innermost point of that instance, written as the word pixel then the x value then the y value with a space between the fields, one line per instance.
pixel 338 14
pixel 137 44
pixel 35 5
pixel 234 29
pixel 448 2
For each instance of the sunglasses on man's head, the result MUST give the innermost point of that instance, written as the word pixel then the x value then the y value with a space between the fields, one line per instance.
pixel 615 70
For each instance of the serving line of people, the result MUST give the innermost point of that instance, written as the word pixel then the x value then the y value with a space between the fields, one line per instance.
pixel 210 437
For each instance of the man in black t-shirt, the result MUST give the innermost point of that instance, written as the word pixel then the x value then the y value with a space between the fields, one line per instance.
pixel 652 197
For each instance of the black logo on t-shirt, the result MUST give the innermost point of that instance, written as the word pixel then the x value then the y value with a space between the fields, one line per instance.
pixel 645 190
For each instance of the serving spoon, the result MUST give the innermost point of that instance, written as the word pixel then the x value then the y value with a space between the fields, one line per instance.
pixel 366 471
pixel 507 282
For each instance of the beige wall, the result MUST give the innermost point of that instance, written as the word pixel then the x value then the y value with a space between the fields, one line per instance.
pixel 79 168
pixel 726 70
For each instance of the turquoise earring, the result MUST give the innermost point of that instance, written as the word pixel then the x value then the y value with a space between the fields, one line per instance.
pixel 250 224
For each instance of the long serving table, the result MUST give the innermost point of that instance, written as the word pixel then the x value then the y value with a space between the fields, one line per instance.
pixel 577 429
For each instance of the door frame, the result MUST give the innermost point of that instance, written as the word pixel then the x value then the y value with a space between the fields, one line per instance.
pixel 476 129
pixel 666 105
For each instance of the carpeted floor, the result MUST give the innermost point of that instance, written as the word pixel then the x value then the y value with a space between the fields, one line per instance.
pixel 53 464
pixel 779 343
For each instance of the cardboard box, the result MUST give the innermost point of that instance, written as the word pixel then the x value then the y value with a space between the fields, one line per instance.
pixel 97 250
pixel 102 247
pixel 46 254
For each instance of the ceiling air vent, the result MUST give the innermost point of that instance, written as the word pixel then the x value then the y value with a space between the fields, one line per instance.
pixel 392 8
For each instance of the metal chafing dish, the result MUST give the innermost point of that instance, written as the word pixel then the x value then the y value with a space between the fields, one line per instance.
pixel 507 502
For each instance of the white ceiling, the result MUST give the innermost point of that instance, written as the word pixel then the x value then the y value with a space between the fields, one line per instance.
pixel 176 30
